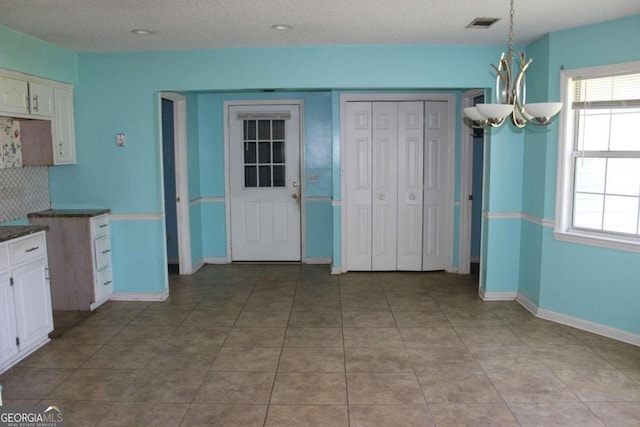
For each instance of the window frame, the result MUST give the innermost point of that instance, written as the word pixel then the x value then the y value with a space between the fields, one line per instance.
pixel 563 229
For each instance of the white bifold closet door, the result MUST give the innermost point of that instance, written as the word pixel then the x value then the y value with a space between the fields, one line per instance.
pixel 384 173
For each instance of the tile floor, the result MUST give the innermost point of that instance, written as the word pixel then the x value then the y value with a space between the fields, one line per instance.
pixel 291 345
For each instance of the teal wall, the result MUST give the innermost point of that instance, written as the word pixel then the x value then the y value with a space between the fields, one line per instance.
pixel 591 283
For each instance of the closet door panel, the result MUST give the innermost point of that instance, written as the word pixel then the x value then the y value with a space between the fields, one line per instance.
pixel 385 185
pixel 435 157
pixel 410 185
pixel 358 175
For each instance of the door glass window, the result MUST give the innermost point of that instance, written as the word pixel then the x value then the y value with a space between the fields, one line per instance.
pixel 264 153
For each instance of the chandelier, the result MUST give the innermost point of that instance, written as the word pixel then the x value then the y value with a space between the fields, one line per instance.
pixel 511 94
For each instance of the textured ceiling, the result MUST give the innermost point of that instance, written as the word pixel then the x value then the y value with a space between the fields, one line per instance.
pixel 105 25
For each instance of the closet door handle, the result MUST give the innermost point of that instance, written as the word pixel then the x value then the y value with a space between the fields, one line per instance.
pixel 381 196
pixel 412 196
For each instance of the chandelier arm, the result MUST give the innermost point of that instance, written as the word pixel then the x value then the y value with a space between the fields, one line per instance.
pixel 520 117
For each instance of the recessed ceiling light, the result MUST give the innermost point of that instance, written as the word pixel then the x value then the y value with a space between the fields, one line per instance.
pixel 282 27
pixel 482 23
pixel 142 32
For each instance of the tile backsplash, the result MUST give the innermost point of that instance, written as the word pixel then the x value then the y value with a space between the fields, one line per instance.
pixel 23 190
pixel 10 143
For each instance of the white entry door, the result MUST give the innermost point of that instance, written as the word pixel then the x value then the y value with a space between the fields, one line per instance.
pixel 264 165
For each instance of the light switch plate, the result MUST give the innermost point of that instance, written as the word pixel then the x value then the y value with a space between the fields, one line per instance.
pixel 120 139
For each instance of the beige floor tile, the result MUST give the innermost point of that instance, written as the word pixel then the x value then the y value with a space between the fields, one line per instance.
pixel 247 359
pixel 570 357
pixel 192 336
pixel 473 415
pixel 411 303
pixel 363 303
pixel 313 337
pixel 424 359
pixel 491 336
pixel 420 319
pixel 309 388
pixel 622 356
pixel 617 413
pixel 31 383
pixel 430 337
pixel 307 416
pixel 262 319
pixel 160 318
pixel 315 319
pixel 463 318
pixel 317 303
pixel 138 334
pixel 217 303
pixel 178 358
pixel 88 334
pixel 600 385
pixel 255 337
pixel 112 317
pixel 163 387
pixel 80 412
pixel 122 357
pixel 511 358
pixel 124 414
pixel 389 416
pixel 368 319
pixel 634 374
pixel 384 388
pixel 539 386
pixel 210 319
pixel 548 334
pixel 372 337
pixel 60 356
pixel 387 359
pixel 269 304
pixel 457 385
pixel 236 388
pixel 199 415
pixel 94 384
pixel 297 359
pixel 554 414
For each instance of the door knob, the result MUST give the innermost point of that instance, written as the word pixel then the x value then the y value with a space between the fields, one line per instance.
pixel 381 196
pixel 295 183
pixel 294 196
pixel 412 196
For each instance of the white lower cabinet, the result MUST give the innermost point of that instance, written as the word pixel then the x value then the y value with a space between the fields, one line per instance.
pixel 26 316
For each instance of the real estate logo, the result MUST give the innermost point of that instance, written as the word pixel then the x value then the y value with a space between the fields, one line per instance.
pixel 29 416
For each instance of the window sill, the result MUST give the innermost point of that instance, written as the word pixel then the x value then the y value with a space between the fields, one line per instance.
pixel 599 241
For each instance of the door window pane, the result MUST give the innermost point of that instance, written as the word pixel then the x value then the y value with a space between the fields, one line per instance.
pixel 278 176
pixel 264 130
pixel 249 130
pixel 249 152
pixel 265 176
pixel 278 151
pixel 250 176
pixel 278 129
pixel 264 155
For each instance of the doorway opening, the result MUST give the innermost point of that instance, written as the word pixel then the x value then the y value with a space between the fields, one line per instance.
pixel 175 180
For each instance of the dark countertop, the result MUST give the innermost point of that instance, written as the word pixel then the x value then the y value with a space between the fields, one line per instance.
pixel 10 232
pixel 69 213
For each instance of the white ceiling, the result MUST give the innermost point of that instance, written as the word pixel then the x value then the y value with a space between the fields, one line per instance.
pixel 105 25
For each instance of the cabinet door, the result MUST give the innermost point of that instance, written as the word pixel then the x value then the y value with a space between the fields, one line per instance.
pixel 41 99
pixel 14 96
pixel 64 146
pixel 32 298
pixel 8 333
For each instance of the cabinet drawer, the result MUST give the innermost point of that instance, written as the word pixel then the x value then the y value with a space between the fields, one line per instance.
pixel 104 283
pixel 28 248
pixel 99 225
pixel 102 248
pixel 4 257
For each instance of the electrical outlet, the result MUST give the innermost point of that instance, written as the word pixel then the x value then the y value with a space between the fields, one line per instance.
pixel 120 139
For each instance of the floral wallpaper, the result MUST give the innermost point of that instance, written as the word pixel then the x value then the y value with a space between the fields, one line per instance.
pixel 10 143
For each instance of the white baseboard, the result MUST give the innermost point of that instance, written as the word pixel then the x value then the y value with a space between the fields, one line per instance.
pixel 197 266
pixel 576 322
pixel 216 260
pixel 497 296
pixel 318 261
pixel 139 296
pixel 336 270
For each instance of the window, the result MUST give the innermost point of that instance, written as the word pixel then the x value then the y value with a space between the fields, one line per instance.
pixel 599 168
pixel 264 164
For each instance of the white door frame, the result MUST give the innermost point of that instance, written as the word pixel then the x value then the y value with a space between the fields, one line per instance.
pixel 466 186
pixel 182 180
pixel 449 186
pixel 227 162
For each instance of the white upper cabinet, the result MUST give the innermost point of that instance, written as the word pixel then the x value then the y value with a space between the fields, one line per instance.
pixel 64 146
pixel 40 99
pixel 14 96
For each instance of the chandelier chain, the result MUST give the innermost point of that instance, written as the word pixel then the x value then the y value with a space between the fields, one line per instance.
pixel 510 53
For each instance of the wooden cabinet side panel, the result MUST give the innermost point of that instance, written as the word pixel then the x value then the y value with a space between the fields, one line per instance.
pixel 70 263
pixel 36 142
